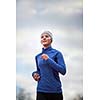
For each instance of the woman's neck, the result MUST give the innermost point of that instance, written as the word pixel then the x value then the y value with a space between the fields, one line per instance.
pixel 46 46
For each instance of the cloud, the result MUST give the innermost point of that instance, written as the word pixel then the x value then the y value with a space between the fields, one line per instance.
pixel 26 83
pixel 64 7
pixel 36 12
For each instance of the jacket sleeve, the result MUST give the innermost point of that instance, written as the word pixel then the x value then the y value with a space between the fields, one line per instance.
pixel 38 70
pixel 59 65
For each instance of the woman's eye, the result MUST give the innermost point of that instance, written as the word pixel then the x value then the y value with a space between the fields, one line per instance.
pixel 41 36
pixel 46 36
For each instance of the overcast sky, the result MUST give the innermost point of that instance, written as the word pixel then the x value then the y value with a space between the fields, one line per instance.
pixel 64 18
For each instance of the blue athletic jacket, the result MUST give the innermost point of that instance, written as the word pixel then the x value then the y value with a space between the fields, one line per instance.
pixel 49 71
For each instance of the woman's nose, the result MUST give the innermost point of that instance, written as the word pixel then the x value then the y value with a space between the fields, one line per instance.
pixel 44 37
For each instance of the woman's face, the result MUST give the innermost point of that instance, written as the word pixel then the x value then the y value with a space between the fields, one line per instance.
pixel 45 40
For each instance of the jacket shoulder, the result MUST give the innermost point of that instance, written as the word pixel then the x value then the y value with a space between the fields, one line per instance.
pixel 56 51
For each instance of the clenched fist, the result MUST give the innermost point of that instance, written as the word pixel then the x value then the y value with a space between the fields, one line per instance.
pixel 36 76
pixel 44 56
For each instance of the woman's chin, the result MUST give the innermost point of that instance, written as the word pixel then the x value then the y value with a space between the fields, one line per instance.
pixel 45 45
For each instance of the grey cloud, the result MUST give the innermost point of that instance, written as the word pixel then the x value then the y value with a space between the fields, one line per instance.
pixel 31 13
pixel 71 39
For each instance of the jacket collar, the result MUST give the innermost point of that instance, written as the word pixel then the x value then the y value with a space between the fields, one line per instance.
pixel 47 49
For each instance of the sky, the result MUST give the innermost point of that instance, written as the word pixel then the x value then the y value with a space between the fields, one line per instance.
pixel 64 18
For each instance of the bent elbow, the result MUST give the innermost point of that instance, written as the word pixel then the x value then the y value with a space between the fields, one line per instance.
pixel 64 71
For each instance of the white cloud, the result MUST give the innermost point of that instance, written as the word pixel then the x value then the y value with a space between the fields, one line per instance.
pixel 29 8
pixel 70 9
pixel 25 9
pixel 63 7
pixel 26 82
pixel 27 43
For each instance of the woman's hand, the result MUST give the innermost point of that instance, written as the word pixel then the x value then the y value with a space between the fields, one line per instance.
pixel 44 56
pixel 36 76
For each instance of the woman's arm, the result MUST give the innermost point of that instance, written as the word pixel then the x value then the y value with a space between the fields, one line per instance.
pixel 36 74
pixel 59 65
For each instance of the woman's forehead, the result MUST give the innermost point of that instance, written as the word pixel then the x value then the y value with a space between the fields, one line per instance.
pixel 44 34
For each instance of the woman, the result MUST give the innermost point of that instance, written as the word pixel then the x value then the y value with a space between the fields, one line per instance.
pixel 49 64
